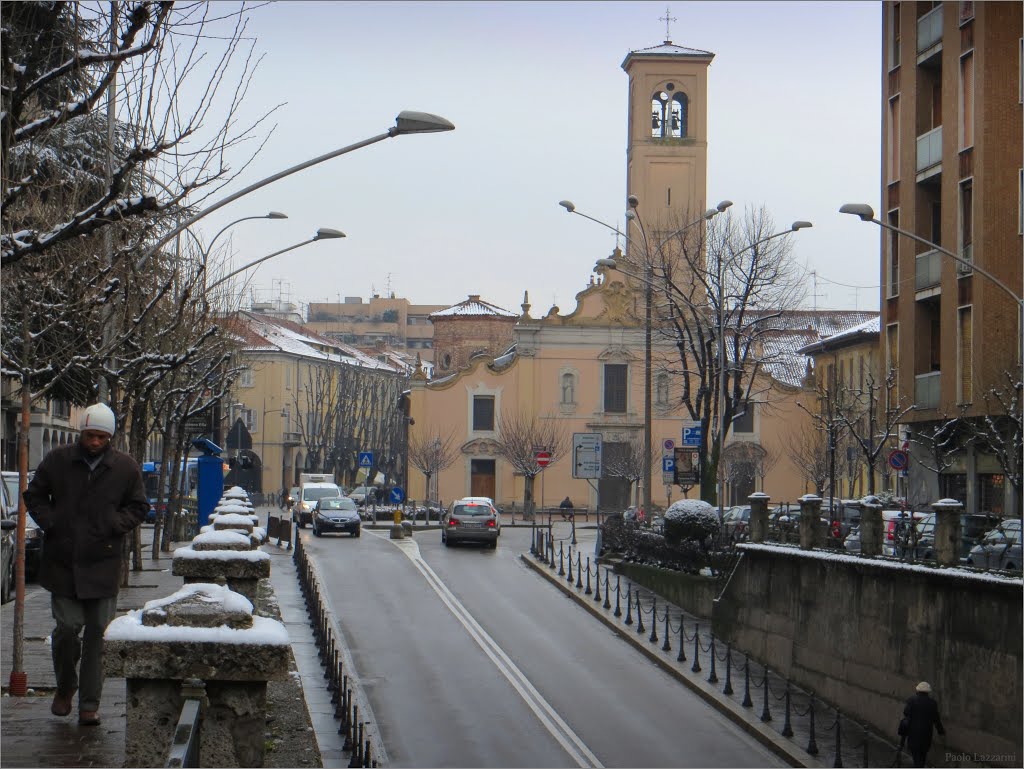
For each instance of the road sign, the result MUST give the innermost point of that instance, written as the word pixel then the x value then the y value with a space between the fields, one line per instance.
pixel 898 460
pixel 691 433
pixel 668 464
pixel 686 465
pixel 668 445
pixel 397 495
pixel 366 459
pixel 543 458
pixel 586 455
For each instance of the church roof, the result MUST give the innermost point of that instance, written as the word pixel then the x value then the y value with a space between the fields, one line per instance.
pixel 474 307
pixel 670 50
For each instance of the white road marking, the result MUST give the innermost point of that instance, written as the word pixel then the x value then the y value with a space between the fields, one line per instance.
pixel 545 713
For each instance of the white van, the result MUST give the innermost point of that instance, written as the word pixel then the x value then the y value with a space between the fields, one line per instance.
pixel 312 488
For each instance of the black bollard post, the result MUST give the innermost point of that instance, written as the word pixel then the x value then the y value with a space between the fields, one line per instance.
pixel 747 702
pixel 588 591
pixel 629 604
pixel 618 592
pixel 597 582
pixel 654 620
pixel 713 675
pixel 331 667
pixel 579 570
pixel 551 550
pixel 607 600
pixel 666 647
pixel 681 657
pixel 787 727
pixel 569 576
pixel 839 741
pixel 366 752
pixel 561 561
pixel 695 668
pixel 639 614
pixel 866 743
pixel 727 689
pixel 359 747
pixel 533 539
pixel 766 716
pixel 812 744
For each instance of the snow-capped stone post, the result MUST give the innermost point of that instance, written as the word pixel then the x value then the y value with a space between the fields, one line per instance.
pixel 947 531
pixel 223 556
pixel 810 512
pixel 870 526
pixel 758 515
pixel 202 642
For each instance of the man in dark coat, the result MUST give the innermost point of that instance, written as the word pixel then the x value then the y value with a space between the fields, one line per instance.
pixel 85 497
pixel 566 507
pixel 922 713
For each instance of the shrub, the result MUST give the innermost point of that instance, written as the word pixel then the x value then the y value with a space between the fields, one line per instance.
pixel 691 520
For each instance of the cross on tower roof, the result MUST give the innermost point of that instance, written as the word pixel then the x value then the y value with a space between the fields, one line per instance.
pixel 666 18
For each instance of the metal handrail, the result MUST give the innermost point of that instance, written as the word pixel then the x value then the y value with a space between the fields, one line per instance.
pixel 185 743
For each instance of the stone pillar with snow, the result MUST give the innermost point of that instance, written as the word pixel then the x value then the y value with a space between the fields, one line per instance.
pixel 947 531
pixel 203 638
pixel 810 523
pixel 758 515
pixel 870 526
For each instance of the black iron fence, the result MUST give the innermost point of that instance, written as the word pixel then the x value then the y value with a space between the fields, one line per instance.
pixel 346 711
pixel 802 716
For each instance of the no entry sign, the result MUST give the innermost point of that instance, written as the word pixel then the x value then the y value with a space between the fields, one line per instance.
pixel 543 458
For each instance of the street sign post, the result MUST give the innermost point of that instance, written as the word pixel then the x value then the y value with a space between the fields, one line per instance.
pixel 586 456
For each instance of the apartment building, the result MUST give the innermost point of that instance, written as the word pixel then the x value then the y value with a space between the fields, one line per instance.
pixel 389 320
pixel 951 175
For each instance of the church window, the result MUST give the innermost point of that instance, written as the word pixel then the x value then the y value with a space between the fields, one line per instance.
pixel 483 413
pixel 615 388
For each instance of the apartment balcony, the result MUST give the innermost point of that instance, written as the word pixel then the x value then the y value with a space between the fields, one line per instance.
pixel 927 270
pixel 926 390
pixel 929 29
pixel 291 439
pixel 929 153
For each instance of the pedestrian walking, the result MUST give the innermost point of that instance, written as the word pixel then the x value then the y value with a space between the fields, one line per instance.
pixel 85 497
pixel 920 716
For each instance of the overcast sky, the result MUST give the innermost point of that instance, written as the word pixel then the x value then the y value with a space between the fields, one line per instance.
pixel 538 98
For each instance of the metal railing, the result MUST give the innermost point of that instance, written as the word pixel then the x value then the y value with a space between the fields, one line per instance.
pixel 184 750
pixel 927 389
pixel 929 149
pixel 927 270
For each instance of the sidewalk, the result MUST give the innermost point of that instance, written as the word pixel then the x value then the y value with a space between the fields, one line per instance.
pixel 33 737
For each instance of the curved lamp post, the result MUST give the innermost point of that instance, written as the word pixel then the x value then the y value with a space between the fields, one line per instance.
pixel 407 122
pixel 324 233
pixel 632 216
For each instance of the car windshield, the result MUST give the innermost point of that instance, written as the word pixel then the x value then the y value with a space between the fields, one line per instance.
pixel 472 508
pixel 338 503
pixel 318 493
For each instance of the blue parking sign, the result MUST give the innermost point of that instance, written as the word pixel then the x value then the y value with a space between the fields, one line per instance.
pixel 692 435
pixel 668 464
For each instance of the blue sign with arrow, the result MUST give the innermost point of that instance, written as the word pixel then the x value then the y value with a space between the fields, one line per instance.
pixel 397 495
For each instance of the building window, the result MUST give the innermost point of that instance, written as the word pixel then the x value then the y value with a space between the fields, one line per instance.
pixel 893 256
pixel 661 390
pixel 966 10
pixel 966 223
pixel 991 493
pixel 743 421
pixel 893 164
pixel 892 348
pixel 248 417
pixel 615 388
pixel 967 100
pixel 568 389
pixel 245 377
pixel 446 361
pixel 483 413
pixel 894 36
pixel 965 355
pixel 287 377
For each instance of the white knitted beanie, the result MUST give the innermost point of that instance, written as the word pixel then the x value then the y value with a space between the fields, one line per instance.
pixel 98 417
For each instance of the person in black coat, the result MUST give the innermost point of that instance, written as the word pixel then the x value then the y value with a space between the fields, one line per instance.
pixel 566 508
pixel 922 714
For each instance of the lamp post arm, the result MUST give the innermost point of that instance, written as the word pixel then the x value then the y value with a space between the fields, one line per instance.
pixel 262 259
pixel 976 268
pixel 253 187
pixel 206 251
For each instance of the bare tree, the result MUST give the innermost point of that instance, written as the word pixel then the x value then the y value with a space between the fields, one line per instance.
pixel 1000 431
pixel 628 464
pixel 807 449
pixel 747 463
pixel 726 282
pixel 432 453
pixel 520 437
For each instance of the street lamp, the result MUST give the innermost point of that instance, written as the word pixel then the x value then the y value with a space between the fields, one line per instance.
pixel 633 216
pixel 867 214
pixel 209 246
pixel 407 122
pixel 324 233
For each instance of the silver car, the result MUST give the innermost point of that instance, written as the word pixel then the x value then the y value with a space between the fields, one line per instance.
pixel 1000 548
pixel 472 519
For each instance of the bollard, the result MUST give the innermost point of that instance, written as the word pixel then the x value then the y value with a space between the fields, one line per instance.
pixel 588 591
pixel 681 657
pixel 618 591
pixel 727 689
pixel 713 675
pixel 654 620
pixel 766 715
pixel 695 668
pixel 667 647
pixel 629 604
pixel 787 727
pixel 812 744
pixel 561 557
pixel 579 570
pixel 747 702
pixel 597 583
pixel 639 614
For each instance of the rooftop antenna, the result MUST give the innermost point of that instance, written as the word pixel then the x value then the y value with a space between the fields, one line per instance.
pixel 814 296
pixel 387 285
pixel 667 18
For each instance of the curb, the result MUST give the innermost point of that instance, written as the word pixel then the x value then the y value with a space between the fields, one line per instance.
pixel 775 742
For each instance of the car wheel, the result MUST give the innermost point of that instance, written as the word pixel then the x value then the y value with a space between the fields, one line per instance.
pixel 316 531
pixel 447 542
pixel 493 545
pixel 356 533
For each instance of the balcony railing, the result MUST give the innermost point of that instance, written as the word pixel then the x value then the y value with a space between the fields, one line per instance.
pixel 929 149
pixel 291 439
pixel 929 29
pixel 926 390
pixel 927 270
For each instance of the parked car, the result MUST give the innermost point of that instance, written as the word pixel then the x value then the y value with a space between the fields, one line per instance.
pixel 898 530
pixel 7 545
pixel 736 522
pixel 851 543
pixel 471 520
pixel 973 526
pixel 336 514
pixel 33 534
pixel 360 493
pixel 999 549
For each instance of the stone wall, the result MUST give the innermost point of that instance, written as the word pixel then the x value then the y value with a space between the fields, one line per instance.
pixel 690 592
pixel 862 633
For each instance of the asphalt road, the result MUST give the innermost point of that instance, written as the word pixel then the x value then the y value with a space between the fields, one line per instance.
pixel 469 659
